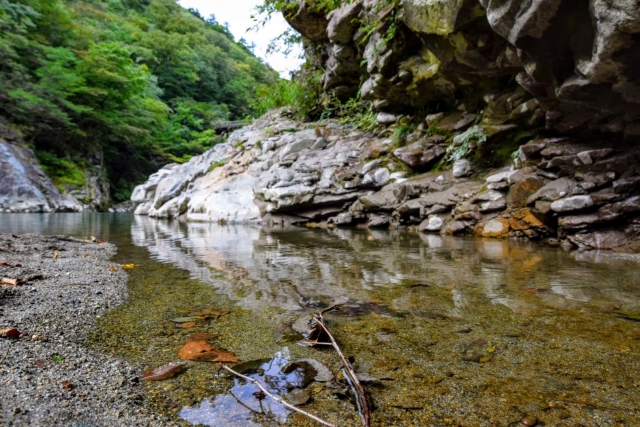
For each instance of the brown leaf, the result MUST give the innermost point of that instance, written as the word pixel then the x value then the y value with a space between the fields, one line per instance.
pixel 188 325
pixel 67 384
pixel 8 282
pixel 56 255
pixel 41 364
pixel 10 264
pixel 112 268
pixel 85 255
pixel 201 337
pixel 162 372
pixel 202 351
pixel 10 333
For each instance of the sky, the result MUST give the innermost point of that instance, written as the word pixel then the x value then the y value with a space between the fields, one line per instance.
pixel 238 14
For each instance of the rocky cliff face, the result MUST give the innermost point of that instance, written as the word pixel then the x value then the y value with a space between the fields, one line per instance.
pixel 563 66
pixel 24 187
pixel 281 171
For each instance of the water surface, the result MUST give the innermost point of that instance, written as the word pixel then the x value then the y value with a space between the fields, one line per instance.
pixel 464 331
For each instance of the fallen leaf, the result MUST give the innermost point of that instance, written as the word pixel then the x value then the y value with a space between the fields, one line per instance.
pixel 85 255
pixel 10 264
pixel 188 325
pixel 128 266
pixel 55 255
pixel 10 333
pixel 202 351
pixel 200 337
pixel 112 268
pixel 41 364
pixel 8 282
pixel 162 372
pixel 67 384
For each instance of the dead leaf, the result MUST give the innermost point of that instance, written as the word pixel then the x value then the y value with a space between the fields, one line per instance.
pixel 8 282
pixel 128 266
pixel 112 268
pixel 202 351
pixel 10 333
pixel 188 325
pixel 200 337
pixel 101 241
pixel 162 372
pixel 85 255
pixel 41 364
pixel 67 384
pixel 56 255
pixel 10 264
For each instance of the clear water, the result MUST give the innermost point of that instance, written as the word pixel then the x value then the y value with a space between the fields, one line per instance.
pixel 464 331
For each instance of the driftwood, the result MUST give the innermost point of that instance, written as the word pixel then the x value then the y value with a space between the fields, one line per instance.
pixel 277 399
pixel 359 390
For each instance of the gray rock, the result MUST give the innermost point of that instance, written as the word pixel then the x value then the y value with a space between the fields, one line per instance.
pixel 24 187
pixel 386 118
pixel 502 176
pixel 341 26
pixel 572 204
pixel 433 223
pixel 461 168
pixel 421 154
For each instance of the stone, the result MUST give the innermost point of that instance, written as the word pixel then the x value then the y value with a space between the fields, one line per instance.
pixel 420 155
pixel 433 223
pixel 531 150
pixel 572 204
pixel 501 176
pixel 386 118
pixel 433 119
pixel 600 239
pixel 553 191
pixel 498 227
pixel 494 205
pixel 461 168
pixel 523 186
pixel 378 221
pixel 626 185
pixel 456 121
pixel 490 196
pixel 525 219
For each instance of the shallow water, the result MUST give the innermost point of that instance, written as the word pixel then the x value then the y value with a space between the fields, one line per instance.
pixel 464 331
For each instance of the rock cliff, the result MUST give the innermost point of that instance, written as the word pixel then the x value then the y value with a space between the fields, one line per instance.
pixel 279 170
pixel 24 186
pixel 563 66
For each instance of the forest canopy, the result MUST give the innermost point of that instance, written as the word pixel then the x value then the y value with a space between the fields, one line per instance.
pixel 139 82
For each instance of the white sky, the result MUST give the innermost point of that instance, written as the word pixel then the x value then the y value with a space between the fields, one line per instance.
pixel 238 14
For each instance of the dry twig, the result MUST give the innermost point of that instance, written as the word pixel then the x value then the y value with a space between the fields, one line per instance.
pixel 277 399
pixel 362 398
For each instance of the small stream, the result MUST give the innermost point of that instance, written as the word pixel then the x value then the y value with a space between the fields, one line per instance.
pixel 460 331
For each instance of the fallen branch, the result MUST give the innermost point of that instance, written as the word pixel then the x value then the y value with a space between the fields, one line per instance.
pixel 361 394
pixel 277 399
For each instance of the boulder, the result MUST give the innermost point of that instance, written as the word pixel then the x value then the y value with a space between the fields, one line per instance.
pixel 572 204
pixel 462 168
pixel 341 22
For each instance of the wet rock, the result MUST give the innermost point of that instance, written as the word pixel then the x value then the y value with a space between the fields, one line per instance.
pixel 298 397
pixel 529 421
pixel 421 154
pixel 572 204
pixel 433 223
pixel 600 239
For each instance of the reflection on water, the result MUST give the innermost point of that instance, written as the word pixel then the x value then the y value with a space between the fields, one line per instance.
pixel 241 405
pixel 289 269
pixel 473 332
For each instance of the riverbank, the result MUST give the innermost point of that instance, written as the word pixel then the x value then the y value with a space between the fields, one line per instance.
pixel 47 376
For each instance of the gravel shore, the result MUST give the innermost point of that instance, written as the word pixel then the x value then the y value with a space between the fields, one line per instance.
pixel 47 376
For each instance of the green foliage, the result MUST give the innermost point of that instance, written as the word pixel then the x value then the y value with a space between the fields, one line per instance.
pixel 284 93
pixel 472 138
pixel 401 133
pixel 143 81
pixel 61 171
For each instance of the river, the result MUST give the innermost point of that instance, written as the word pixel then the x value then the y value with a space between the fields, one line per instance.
pixel 460 331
